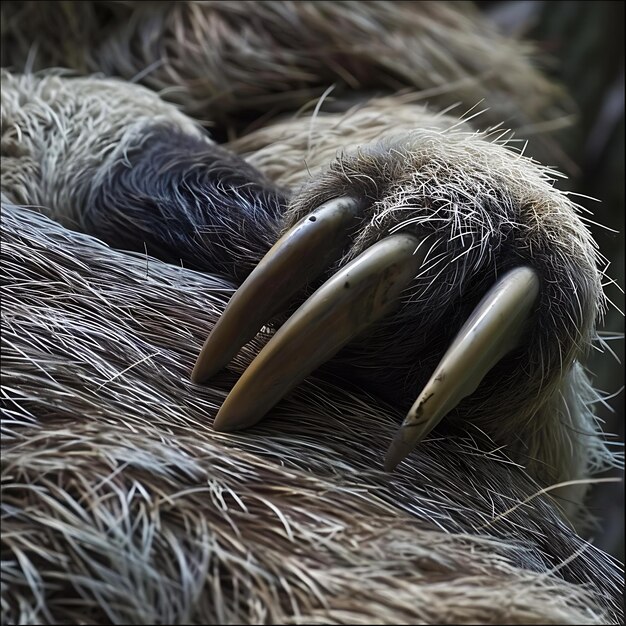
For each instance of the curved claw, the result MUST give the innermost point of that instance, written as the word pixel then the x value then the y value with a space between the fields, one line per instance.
pixel 355 297
pixel 495 327
pixel 297 257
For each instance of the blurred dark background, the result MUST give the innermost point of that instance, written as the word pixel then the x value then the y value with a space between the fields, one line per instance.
pixel 583 43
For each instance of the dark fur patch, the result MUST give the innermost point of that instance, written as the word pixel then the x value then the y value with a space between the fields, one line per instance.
pixel 187 202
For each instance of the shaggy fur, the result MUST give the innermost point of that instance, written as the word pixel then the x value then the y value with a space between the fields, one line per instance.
pixel 120 503
pixel 104 162
pixel 223 62
pixel 165 188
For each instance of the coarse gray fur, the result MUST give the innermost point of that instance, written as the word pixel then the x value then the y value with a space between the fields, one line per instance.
pixel 120 503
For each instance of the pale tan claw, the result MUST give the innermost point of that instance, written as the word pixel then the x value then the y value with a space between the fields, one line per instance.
pixel 298 256
pixel 495 327
pixel 355 297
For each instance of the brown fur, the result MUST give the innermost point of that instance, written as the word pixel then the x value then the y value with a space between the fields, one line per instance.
pixel 120 503
pixel 237 66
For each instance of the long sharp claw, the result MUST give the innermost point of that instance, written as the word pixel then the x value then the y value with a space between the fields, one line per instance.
pixel 355 297
pixel 298 256
pixel 495 327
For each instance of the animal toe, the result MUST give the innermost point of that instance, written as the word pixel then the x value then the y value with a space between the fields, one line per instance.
pixel 445 273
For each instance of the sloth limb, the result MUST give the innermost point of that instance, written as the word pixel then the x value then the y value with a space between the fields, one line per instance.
pixel 483 211
pixel 114 161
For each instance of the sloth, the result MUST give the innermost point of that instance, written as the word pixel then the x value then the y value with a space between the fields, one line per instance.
pixel 113 161
pixel 388 306
pixel 457 219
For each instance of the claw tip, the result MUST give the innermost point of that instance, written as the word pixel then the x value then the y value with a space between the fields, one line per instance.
pixel 222 424
pixel 199 374
pixel 390 464
pixel 396 453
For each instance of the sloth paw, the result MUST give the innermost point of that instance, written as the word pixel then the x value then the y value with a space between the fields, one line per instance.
pixel 462 284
